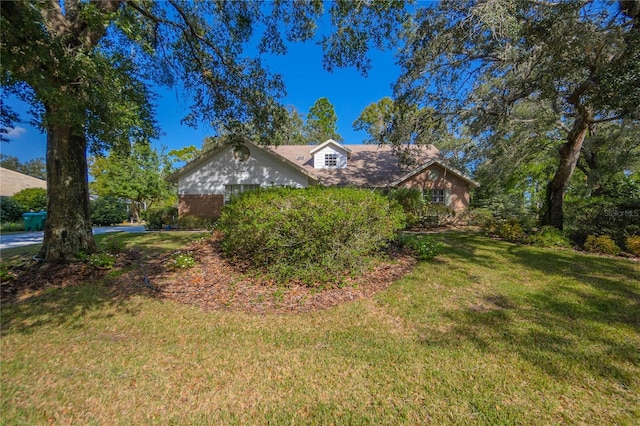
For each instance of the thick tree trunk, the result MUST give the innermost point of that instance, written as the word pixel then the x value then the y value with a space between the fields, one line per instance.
pixel 67 230
pixel 569 155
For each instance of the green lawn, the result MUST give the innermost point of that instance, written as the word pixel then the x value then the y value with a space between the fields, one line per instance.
pixel 488 333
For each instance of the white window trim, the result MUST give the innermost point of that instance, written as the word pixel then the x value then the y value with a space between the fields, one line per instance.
pixel 331 159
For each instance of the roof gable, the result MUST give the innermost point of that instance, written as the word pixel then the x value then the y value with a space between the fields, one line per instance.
pixel 209 155
pixel 331 142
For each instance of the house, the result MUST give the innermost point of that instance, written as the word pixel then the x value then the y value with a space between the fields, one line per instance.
pixel 12 182
pixel 208 182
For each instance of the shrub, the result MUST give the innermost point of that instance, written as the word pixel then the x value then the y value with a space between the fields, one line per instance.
pixel 159 216
pixel 511 230
pixel 601 244
pixel 436 215
pixel 12 226
pixel 548 236
pixel 424 247
pixel 602 216
pixel 315 235
pixel 633 245
pixel 10 210
pixel 32 199
pixel 108 210
pixel 195 222
pixel 411 201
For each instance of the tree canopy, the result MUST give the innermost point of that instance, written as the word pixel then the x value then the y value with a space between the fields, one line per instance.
pixel 87 68
pixel 524 74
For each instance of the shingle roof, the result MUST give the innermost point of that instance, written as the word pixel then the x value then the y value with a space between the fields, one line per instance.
pixel 12 182
pixel 368 166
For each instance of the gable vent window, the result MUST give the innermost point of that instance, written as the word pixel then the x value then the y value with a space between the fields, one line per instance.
pixel 331 160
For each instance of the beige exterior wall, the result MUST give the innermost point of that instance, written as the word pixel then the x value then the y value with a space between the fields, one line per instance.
pixel 205 205
pixel 437 177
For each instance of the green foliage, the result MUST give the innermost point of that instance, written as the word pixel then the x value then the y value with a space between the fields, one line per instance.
pixel 12 226
pixel 32 199
pixel 315 235
pixel 158 217
pixel 181 260
pixel 10 210
pixel 602 244
pixel 423 247
pixel 136 174
pixel 419 213
pixel 195 222
pixel 633 245
pixel 617 218
pixel 36 167
pixel 548 236
pixel 321 122
pixel 102 260
pixel 108 210
pixel 511 230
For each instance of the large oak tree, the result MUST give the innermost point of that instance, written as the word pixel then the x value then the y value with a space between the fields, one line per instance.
pixel 87 67
pixel 482 65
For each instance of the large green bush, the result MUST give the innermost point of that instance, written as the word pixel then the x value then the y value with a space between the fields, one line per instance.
pixel 108 210
pixel 315 235
pixel 32 199
pixel 10 210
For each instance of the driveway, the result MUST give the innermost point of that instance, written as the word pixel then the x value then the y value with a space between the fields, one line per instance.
pixel 35 237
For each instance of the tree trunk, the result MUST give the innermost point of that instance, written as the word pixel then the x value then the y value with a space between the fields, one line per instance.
pixel 67 230
pixel 569 155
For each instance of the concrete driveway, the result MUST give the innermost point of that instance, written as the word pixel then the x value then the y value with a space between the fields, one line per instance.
pixel 35 237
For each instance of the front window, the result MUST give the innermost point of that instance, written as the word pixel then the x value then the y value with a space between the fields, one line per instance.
pixel 331 160
pixel 436 196
pixel 233 190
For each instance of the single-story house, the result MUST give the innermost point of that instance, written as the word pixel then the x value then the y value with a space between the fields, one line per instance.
pixel 208 182
pixel 12 182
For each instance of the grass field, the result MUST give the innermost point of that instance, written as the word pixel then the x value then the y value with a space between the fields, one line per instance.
pixel 488 333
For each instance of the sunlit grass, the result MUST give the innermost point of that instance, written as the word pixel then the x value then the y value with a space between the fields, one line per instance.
pixel 488 333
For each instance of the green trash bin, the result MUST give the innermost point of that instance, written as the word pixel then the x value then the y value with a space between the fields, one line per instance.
pixel 34 221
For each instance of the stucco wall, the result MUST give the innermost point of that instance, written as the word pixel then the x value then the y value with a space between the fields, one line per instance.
pixel 437 177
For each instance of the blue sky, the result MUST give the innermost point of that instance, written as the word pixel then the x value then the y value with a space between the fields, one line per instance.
pixel 305 80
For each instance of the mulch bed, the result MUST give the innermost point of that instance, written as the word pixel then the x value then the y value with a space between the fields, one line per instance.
pixel 212 284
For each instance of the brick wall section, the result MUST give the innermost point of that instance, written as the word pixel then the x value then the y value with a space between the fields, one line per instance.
pixel 458 187
pixel 208 206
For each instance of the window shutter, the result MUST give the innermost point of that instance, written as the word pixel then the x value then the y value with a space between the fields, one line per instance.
pixel 447 197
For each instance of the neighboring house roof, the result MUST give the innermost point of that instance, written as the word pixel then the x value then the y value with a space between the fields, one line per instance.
pixel 12 182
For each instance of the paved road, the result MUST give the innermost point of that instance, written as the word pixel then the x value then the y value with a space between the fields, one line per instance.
pixel 35 237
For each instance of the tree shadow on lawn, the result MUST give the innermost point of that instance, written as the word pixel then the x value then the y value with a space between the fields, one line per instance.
pixel 64 305
pixel 586 316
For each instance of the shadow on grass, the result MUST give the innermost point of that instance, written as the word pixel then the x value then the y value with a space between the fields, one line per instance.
pixel 584 315
pixel 66 296
pixel 68 307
